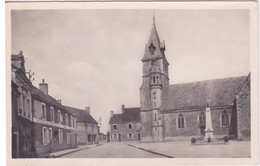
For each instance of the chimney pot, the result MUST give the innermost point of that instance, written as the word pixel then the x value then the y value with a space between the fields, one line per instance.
pixel 43 87
pixel 123 108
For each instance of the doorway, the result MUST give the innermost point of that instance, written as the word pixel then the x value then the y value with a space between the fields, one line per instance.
pixel 139 136
pixel 119 137
pixel 15 150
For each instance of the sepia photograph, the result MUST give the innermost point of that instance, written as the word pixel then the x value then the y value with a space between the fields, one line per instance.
pixel 173 82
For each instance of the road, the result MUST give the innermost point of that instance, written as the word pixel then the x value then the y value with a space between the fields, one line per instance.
pixel 112 150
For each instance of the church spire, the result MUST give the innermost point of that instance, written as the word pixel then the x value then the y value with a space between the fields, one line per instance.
pixel 153 19
pixel 154 48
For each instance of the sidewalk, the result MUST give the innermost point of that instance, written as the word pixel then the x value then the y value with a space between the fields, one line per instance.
pixel 184 149
pixel 67 151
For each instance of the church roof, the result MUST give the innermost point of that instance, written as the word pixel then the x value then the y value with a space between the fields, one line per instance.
pixel 81 115
pixel 129 115
pixel 219 92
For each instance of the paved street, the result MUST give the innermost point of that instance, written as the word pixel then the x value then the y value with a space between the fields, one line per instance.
pixel 180 149
pixel 112 150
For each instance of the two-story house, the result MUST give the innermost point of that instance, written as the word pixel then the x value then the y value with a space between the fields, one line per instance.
pixel 125 126
pixel 54 126
pixel 87 126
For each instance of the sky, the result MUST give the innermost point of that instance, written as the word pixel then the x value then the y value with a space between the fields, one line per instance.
pixel 93 57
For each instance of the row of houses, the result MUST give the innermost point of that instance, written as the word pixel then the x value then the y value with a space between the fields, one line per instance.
pixel 40 123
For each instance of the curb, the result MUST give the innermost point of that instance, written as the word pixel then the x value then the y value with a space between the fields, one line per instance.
pixel 150 151
pixel 76 150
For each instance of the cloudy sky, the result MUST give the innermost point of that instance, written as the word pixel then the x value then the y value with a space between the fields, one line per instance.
pixel 93 57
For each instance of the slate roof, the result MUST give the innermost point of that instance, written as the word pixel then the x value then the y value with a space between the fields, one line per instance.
pixel 116 119
pixel 37 93
pixel 81 115
pixel 219 92
pixel 130 115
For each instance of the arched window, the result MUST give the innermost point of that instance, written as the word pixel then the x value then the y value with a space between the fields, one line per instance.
pixel 180 121
pixel 154 95
pixel 225 119
pixel 153 79
pixel 202 119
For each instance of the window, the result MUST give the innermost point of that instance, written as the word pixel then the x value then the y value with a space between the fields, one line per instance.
pixel 29 108
pixel 50 136
pixel 130 135
pixel 154 104
pixel 92 127
pixel 153 79
pixel 24 109
pixel 180 121
pixel 67 119
pixel 154 95
pixel 43 111
pixel 202 119
pixel 71 121
pixel 155 117
pixel 130 126
pixel 20 104
pixel 68 138
pixel 52 114
pixel 59 116
pixel 60 136
pixel 114 126
pixel 225 119
pixel 152 49
pixel 45 138
pixel 75 122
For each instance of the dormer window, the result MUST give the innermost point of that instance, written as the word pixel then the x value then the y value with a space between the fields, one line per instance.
pixel 152 49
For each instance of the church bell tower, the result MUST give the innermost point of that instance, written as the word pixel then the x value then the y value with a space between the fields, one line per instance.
pixel 154 86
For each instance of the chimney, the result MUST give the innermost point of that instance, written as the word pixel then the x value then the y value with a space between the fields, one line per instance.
pixel 123 109
pixel 111 114
pixel 43 87
pixel 87 109
pixel 59 101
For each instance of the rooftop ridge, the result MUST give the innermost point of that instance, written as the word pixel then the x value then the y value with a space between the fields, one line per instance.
pixel 209 80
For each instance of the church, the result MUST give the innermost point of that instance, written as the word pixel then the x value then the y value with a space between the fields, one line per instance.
pixel 178 111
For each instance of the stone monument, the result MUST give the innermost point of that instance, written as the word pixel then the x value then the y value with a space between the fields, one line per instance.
pixel 208 130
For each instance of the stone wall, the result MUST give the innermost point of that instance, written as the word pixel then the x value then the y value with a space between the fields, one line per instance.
pixel 191 124
pixel 243 112
pixel 146 122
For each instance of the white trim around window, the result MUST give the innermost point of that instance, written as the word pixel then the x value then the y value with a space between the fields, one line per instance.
pixel 45 136
pixel 60 136
pixel 114 127
pixel 128 126
pixel 52 114
pixel 43 111
pixel 59 117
